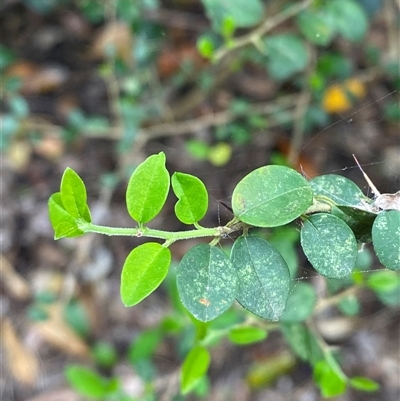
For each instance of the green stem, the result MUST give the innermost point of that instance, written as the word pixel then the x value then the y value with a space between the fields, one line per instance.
pixel 149 232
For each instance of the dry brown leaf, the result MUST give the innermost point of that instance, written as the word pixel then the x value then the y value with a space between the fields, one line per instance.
pixel 15 284
pixel 23 363
pixel 114 38
pixel 56 332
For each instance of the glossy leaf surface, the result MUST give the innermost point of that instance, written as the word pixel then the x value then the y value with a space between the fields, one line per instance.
pixel 63 223
pixel 193 198
pixel 73 195
pixel 271 196
pixel 386 238
pixel 340 189
pixel 206 282
pixel 144 269
pixel 194 368
pixel 329 245
pixel 148 189
pixel 300 304
pixel 263 277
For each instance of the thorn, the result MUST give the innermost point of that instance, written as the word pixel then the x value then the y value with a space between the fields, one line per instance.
pixel 370 183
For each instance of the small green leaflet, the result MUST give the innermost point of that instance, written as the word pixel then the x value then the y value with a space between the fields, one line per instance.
pixel 193 197
pixel 143 271
pixel 206 282
pixel 194 368
pixel 286 55
pixel 73 195
pixel 340 189
pixel 329 378
pixel 363 384
pixel 300 304
pixel 63 223
pixel 316 27
pixel 329 245
pixel 263 277
pixel 148 189
pixel 244 335
pixel 386 238
pixel 271 196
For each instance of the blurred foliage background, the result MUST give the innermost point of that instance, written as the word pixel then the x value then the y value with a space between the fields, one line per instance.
pixel 222 87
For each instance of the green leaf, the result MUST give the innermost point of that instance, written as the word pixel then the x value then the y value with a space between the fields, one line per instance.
pixel 206 282
pixel 349 18
pixel 328 380
pixel 143 271
pixel 363 384
pixel 300 304
pixel 263 277
pixel 144 345
pixel 316 27
pixel 220 10
pixel 383 281
pixel 193 198
pixel 194 368
pixel 350 305
pixel 271 196
pixel 87 382
pixel 286 55
pixel 63 223
pixel 148 189
pixel 386 238
pixel 247 335
pixel 329 245
pixel 360 221
pixel 73 195
pixel 340 189
pixel 302 341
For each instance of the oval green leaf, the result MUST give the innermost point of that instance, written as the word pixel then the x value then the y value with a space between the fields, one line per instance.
pixel 360 221
pixel 363 384
pixel 348 17
pixel 63 223
pixel 329 245
pixel 328 379
pixel 143 271
pixel 286 55
pixel 263 277
pixel 87 382
pixel 193 198
pixel 206 282
pixel 148 189
pixel 340 189
pixel 219 11
pixel 315 27
pixel 73 195
pixel 300 304
pixel 271 196
pixel 194 367
pixel 247 335
pixel 386 238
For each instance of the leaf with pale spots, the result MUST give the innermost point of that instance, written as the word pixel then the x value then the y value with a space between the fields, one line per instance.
pixel 329 244
pixel 206 282
pixel 263 277
pixel 340 189
pixel 271 196
pixel 386 238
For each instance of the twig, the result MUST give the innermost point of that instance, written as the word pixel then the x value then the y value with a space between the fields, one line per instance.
pixel 254 36
pixel 335 299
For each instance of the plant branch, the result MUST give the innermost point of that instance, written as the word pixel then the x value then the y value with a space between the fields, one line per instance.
pixel 254 36
pixel 169 236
